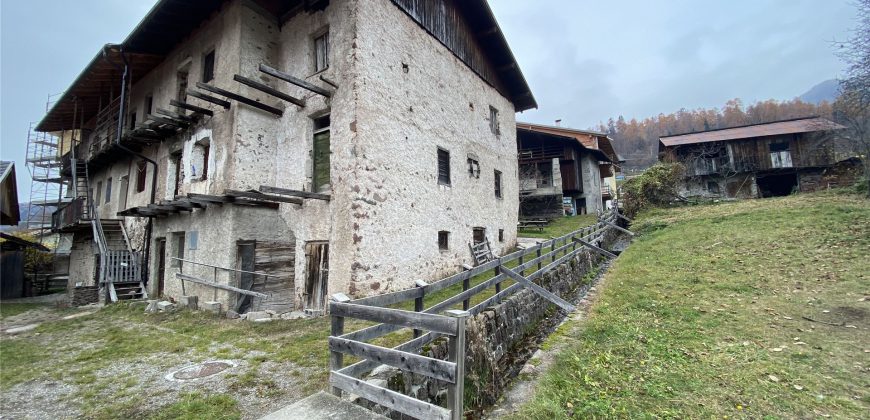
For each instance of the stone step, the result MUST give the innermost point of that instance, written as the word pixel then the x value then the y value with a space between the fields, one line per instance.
pixel 323 406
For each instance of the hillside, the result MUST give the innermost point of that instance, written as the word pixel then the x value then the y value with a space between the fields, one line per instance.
pixel 824 91
pixel 753 309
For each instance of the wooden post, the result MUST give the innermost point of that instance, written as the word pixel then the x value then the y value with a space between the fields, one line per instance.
pixel 497 271
pixel 456 354
pixel 538 255
pixel 521 263
pixel 418 302
pixel 552 249
pixel 336 359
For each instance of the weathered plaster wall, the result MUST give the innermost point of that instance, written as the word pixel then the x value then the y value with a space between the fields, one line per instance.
pixel 414 96
pixel 591 177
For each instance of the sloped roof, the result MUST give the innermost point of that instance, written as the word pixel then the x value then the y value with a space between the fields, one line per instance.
pixel 9 213
pixel 170 22
pixel 600 155
pixel 794 126
pixel 589 139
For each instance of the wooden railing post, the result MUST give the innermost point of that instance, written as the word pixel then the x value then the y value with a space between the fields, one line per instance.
pixel 496 271
pixel 418 301
pixel 336 359
pixel 538 255
pixel 552 249
pixel 456 354
pixel 466 283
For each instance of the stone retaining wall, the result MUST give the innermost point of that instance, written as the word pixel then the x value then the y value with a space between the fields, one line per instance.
pixel 84 295
pixel 494 340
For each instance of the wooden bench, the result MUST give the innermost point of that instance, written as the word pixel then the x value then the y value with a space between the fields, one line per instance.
pixel 532 224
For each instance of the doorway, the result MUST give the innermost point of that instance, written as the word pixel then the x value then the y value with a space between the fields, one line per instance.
pixel 161 265
pixel 777 185
pixel 246 259
pixel 317 275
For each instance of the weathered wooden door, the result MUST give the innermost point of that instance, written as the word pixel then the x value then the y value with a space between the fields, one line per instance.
pixel 317 275
pixel 161 265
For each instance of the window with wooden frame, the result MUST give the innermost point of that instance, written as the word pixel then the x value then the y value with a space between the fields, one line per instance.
pixel 141 175
pixel 320 173
pixel 321 51
pixel 178 241
pixel 473 166
pixel 122 193
pixel 443 167
pixel 99 193
pixel 497 184
pixel 501 235
pixel 478 235
pixel 443 240
pixel 493 121
pixel 208 67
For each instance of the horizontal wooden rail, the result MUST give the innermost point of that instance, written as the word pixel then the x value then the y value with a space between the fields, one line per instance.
pixel 434 368
pixel 409 319
pixel 192 279
pixel 390 399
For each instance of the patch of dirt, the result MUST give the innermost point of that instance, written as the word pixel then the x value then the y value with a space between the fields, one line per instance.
pixel 848 314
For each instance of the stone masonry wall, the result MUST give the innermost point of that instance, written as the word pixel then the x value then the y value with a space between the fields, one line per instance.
pixel 493 338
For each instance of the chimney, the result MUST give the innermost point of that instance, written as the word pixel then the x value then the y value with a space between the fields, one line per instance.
pixel 559 122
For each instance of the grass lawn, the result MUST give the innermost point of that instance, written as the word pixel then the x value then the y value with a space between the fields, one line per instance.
pixel 12 309
pixel 560 227
pixel 703 316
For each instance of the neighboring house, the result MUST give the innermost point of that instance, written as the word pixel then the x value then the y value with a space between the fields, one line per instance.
pixel 10 215
pixel 563 170
pixel 759 160
pixel 13 283
pixel 321 142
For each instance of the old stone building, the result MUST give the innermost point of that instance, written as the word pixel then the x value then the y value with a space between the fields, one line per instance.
pixel 563 170
pixel 323 142
pixel 759 160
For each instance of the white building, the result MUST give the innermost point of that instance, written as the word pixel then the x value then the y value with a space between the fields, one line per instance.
pixel 340 146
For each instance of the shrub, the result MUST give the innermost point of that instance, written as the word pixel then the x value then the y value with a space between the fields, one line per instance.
pixel 657 186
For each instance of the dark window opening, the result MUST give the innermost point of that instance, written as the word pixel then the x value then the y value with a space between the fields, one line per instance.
pixel 205 150
pixel 778 147
pixel 149 104
pixel 141 175
pixel 122 196
pixel 99 192
pixel 175 159
pixel 497 184
pixel 479 235
pixel 321 52
pixel 473 168
pixel 443 167
pixel 545 174
pixel 133 119
pixel 443 240
pixel 108 190
pixel 208 67
pixel 501 235
pixel 179 242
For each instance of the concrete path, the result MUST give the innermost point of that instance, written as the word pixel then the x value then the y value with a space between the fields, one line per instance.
pixel 323 406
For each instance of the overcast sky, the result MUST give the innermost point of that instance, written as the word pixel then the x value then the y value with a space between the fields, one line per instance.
pixel 584 60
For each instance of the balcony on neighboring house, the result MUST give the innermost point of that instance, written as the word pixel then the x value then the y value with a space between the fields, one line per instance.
pixel 71 216
pixel 606 192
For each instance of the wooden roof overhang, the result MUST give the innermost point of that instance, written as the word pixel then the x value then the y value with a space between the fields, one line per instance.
pixel 202 201
pixel 547 136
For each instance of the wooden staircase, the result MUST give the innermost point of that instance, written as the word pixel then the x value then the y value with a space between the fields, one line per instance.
pixel 120 266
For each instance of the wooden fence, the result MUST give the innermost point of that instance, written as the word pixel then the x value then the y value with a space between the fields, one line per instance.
pixel 541 259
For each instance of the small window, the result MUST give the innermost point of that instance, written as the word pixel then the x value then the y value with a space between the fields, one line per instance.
pixel 493 121
pixel 443 167
pixel 208 67
pixel 199 160
pixel 779 147
pixel 181 86
pixel 320 171
pixel 497 184
pixel 545 174
pixel 122 194
pixel 206 148
pixel 501 235
pixel 133 119
pixel 108 190
pixel 473 167
pixel 149 104
pixel 99 192
pixel 478 234
pixel 443 240
pixel 321 52
pixel 141 175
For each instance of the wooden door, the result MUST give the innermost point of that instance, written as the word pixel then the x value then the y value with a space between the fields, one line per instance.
pixel 317 274
pixel 245 261
pixel 161 265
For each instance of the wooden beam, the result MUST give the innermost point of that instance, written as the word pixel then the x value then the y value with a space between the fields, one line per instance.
pixel 298 82
pixel 295 193
pixel 546 294
pixel 169 121
pixel 597 249
pixel 261 196
pixel 328 82
pixel 189 107
pixel 240 98
pixel 620 228
pixel 193 279
pixel 271 91
pixel 390 399
pixel 177 116
pixel 427 366
pixel 208 98
pixel 416 320
pixel 209 198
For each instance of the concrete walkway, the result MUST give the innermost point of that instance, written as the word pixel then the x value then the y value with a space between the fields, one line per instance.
pixel 323 406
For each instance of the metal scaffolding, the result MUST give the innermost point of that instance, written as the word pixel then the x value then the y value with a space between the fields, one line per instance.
pixel 47 185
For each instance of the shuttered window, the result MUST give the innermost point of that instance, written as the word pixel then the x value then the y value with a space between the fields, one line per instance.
pixel 443 167
pixel 208 67
pixel 497 184
pixel 321 52
pixel 141 173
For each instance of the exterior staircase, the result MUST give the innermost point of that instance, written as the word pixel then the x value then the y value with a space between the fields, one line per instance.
pixel 82 186
pixel 120 267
